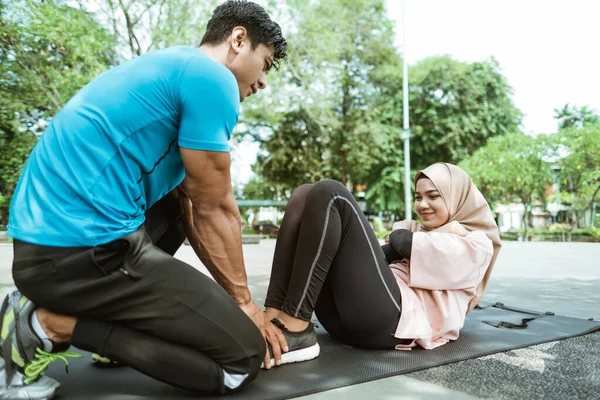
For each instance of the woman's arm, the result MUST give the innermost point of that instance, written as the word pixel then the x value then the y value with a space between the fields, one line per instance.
pixel 447 261
pixel 400 244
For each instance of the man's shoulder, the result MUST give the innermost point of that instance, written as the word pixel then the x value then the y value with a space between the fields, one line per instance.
pixel 202 68
pixel 175 56
pixel 204 75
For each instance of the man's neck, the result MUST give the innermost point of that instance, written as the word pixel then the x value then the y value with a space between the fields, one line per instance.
pixel 217 53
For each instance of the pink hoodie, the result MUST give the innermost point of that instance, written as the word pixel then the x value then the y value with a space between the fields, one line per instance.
pixel 438 284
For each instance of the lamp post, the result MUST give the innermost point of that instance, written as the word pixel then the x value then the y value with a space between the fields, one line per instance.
pixel 405 122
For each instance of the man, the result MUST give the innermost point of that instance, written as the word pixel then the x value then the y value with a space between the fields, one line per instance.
pixel 133 163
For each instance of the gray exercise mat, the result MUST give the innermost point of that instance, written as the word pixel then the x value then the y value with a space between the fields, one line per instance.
pixel 492 329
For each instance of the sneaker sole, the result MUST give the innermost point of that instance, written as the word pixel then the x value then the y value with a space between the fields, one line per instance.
pixel 48 392
pixel 306 354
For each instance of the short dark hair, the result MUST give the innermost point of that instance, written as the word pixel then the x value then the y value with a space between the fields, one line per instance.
pixel 260 27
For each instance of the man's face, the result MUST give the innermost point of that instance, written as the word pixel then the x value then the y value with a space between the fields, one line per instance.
pixel 250 67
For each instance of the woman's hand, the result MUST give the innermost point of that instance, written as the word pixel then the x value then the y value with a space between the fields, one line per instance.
pixel 407 224
pixel 453 227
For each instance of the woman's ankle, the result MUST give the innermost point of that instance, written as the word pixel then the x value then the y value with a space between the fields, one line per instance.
pixel 292 324
pixel 271 313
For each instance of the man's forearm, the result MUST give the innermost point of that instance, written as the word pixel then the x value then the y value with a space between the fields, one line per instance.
pixel 215 236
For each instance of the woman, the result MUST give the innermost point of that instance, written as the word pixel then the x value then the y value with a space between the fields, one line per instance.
pixel 416 290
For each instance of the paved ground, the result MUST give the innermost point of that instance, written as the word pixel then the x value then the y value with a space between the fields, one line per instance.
pixel 559 277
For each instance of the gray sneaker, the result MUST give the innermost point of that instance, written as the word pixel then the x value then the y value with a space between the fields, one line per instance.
pixel 42 389
pixel 303 346
pixel 23 361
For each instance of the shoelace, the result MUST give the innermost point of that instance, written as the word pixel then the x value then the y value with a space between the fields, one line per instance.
pixel 42 359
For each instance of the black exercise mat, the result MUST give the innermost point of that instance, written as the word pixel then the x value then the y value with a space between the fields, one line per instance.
pixel 338 365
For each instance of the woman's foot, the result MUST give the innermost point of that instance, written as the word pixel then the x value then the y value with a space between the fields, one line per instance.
pixel 303 345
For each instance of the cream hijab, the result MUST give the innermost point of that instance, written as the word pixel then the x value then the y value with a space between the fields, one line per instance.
pixel 466 205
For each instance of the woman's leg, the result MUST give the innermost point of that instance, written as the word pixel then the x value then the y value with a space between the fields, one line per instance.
pixel 337 245
pixel 285 251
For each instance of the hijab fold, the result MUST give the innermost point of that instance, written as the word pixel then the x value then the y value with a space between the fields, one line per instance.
pixel 467 206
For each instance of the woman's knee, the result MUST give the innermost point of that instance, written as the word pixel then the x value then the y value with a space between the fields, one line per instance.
pixel 299 194
pixel 328 188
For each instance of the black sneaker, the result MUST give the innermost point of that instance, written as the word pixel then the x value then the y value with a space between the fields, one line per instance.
pixel 303 346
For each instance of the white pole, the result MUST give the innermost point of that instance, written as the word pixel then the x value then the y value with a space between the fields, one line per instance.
pixel 406 126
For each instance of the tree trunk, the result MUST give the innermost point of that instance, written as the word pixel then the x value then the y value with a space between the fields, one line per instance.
pixel 525 223
pixel 572 218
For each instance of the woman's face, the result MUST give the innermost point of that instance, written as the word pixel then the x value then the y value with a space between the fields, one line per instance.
pixel 429 205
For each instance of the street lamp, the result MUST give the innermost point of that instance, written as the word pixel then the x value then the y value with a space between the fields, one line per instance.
pixel 405 122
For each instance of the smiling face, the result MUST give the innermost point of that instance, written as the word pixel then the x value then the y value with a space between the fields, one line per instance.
pixel 429 205
pixel 249 66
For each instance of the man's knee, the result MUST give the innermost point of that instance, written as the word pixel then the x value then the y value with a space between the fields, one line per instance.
pixel 246 370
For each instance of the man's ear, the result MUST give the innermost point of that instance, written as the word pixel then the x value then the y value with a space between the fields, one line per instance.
pixel 238 37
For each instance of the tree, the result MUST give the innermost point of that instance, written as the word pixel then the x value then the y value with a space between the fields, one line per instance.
pixel 511 168
pixel 145 25
pixel 327 82
pixel 347 78
pixel 577 152
pixel 456 107
pixel 299 139
pixel 575 117
pixel 48 51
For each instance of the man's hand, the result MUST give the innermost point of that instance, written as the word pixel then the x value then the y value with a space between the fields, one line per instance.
pixel 256 315
pixel 271 334
pixel 277 341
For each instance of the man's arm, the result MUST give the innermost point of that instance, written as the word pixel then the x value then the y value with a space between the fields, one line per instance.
pixel 212 223
pixel 211 219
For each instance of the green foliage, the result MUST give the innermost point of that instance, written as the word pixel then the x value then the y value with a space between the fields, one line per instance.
pixel 329 84
pixel 577 152
pixel 380 230
pixel 588 231
pixel 386 192
pixel 456 107
pixel 294 151
pixel 575 117
pixel 345 80
pixel 511 168
pixel 561 232
pixel 257 189
pixel 48 51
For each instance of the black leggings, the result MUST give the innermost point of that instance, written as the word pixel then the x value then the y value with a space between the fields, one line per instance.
pixel 328 260
pixel 137 304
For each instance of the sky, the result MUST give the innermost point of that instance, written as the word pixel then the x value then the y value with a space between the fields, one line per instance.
pixel 549 51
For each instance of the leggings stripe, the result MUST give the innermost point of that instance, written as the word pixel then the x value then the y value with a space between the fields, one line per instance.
pixel 314 263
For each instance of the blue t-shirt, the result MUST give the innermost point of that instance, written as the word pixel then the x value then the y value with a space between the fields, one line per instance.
pixel 113 150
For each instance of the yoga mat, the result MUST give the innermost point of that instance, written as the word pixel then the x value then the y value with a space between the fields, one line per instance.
pixel 488 330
